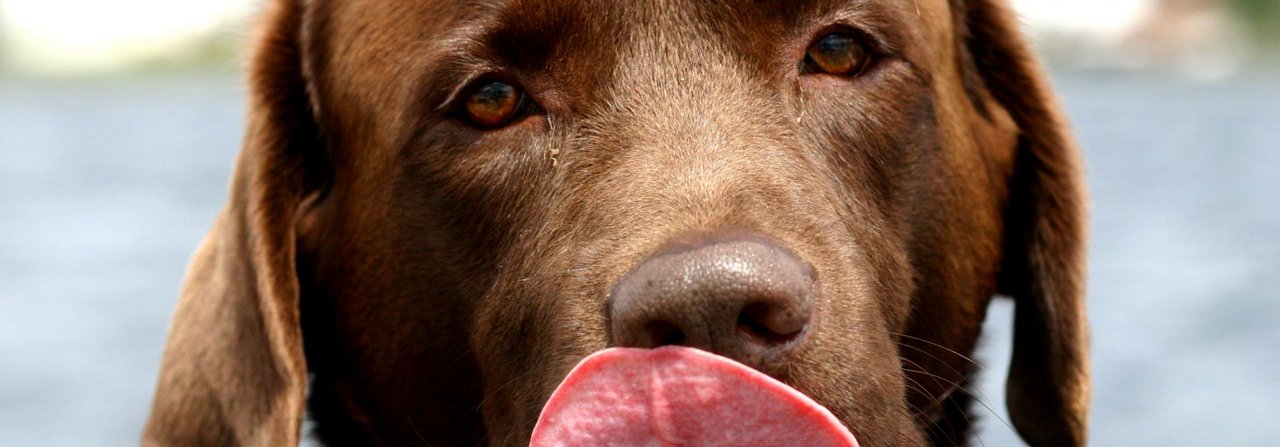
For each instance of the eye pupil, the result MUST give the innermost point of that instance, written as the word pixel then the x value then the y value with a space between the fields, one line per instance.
pixel 837 54
pixel 493 104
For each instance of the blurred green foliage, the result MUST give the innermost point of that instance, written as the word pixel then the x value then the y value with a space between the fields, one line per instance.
pixel 4 43
pixel 1262 18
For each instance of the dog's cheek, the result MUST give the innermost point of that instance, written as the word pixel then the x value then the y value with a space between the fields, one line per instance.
pixel 529 332
pixel 880 153
pixel 853 370
pixel 883 150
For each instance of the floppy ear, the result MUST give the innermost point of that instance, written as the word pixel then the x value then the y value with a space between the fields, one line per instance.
pixel 1044 255
pixel 233 369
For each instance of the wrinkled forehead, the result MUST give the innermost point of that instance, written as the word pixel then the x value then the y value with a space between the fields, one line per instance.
pixel 389 48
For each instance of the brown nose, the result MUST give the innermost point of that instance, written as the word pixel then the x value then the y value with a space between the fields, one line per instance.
pixel 747 299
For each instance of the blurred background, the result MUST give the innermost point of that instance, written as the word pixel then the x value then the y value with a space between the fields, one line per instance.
pixel 119 121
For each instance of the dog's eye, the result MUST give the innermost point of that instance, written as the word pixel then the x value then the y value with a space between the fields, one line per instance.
pixel 490 104
pixel 838 54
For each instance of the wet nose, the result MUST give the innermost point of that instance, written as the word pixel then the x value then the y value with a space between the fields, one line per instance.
pixel 746 299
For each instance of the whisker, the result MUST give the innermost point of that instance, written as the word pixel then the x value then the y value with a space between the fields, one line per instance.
pixel 949 350
pixel 979 397
pixel 416 432
pixel 976 398
pixel 940 381
pixel 503 387
pixel 949 367
pixel 942 402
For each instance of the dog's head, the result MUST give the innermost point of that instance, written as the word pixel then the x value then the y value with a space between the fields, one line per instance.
pixel 442 207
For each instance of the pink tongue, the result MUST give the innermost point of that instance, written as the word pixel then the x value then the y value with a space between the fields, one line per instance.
pixel 680 396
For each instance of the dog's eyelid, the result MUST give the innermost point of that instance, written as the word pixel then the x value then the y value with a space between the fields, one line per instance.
pixel 447 104
pixel 459 69
pixel 881 34
pixel 450 101
pixel 463 73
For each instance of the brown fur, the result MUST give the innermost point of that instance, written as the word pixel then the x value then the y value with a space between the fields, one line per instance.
pixel 420 281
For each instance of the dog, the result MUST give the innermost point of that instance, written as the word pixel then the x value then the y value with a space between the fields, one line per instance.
pixel 441 207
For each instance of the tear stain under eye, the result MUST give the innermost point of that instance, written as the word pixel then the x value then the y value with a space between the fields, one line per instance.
pixel 800 95
pixel 553 150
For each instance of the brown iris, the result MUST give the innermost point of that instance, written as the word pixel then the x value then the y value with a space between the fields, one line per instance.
pixel 493 104
pixel 838 54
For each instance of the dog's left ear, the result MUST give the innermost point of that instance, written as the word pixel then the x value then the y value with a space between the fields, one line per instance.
pixel 1043 270
pixel 234 371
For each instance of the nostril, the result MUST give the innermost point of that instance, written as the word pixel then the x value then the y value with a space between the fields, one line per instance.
pixel 746 299
pixel 662 333
pixel 764 324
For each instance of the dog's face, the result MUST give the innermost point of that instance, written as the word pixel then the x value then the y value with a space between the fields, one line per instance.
pixel 493 180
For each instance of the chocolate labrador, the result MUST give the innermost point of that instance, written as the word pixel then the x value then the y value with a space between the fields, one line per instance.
pixel 441 207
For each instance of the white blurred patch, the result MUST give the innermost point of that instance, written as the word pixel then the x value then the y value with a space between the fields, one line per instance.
pixel 79 36
pixel 58 36
pixel 1108 19
pixel 1193 38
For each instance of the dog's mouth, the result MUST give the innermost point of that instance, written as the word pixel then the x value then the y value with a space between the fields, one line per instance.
pixel 680 396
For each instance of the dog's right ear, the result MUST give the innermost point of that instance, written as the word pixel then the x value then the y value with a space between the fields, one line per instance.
pixel 233 371
pixel 1043 269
